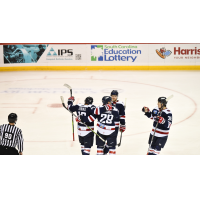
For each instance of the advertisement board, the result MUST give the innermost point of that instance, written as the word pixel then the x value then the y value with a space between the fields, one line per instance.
pixel 99 56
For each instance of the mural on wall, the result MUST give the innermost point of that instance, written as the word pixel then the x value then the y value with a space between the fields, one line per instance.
pixel 23 53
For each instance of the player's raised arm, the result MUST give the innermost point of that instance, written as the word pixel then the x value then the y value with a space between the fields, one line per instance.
pixel 70 106
pixel 147 112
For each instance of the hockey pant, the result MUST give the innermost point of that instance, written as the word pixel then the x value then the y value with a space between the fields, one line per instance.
pixel 157 144
pixel 111 141
pixel 86 143
pixel 106 149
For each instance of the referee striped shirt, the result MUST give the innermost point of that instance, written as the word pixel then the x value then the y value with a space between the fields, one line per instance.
pixel 11 136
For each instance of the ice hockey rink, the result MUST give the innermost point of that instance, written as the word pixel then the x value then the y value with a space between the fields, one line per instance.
pixel 47 126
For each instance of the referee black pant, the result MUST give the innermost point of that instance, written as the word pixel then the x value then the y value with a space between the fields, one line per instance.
pixel 8 150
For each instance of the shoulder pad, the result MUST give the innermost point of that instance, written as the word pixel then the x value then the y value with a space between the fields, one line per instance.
pixel 88 106
pixel 115 109
pixel 120 102
pixel 167 111
pixel 80 104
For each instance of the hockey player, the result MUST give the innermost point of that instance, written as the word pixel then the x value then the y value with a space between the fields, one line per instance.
pixel 86 136
pixel 120 106
pixel 164 123
pixel 107 117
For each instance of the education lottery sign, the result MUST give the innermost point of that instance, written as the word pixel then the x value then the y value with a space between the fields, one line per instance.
pixel 118 54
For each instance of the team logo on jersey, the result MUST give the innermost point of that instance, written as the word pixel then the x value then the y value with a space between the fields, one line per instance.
pixel 155 112
pixel 163 53
pixel 101 126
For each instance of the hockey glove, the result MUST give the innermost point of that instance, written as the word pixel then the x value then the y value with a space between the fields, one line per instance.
pixel 160 120
pixel 122 128
pixel 78 118
pixel 143 109
pixel 108 107
pixel 71 99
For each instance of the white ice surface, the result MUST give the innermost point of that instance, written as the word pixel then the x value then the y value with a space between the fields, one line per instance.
pixel 48 130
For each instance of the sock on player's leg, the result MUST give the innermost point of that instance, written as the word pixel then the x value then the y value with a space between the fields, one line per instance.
pixel 86 151
pixel 99 150
pixel 112 151
pixel 153 152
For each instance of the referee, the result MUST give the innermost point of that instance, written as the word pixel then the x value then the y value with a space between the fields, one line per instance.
pixel 10 137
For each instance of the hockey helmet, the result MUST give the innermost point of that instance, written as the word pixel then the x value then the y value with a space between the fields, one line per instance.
pixel 114 92
pixel 162 100
pixel 106 99
pixel 88 100
pixel 12 117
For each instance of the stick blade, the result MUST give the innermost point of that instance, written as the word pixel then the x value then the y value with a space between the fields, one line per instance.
pixel 68 86
pixel 62 99
pixel 125 103
pixel 170 97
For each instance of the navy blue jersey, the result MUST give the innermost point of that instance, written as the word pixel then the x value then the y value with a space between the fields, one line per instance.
pixel 120 106
pixel 83 110
pixel 162 129
pixel 106 119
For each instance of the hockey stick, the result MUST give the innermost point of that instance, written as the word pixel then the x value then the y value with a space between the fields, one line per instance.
pixel 69 87
pixel 120 140
pixel 157 124
pixel 62 99
pixel 121 131
pixel 125 104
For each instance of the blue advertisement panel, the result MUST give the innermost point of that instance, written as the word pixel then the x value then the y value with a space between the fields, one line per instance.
pixel 23 53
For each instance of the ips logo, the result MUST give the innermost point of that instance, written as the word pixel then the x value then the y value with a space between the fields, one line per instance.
pixel 163 53
pixel 61 52
pixel 96 52
pixel 52 52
